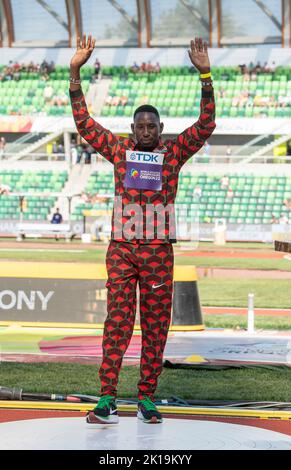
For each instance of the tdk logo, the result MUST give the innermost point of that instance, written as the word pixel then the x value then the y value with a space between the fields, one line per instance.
pixel 143 157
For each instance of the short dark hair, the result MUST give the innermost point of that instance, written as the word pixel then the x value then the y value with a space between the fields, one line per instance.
pixel 146 108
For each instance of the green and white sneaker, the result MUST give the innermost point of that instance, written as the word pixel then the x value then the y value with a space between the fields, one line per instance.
pixel 147 412
pixel 105 412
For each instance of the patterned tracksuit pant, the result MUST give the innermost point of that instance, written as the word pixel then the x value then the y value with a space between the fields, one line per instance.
pixel 152 266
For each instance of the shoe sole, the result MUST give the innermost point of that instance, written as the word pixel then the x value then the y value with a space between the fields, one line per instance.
pixel 153 420
pixel 91 418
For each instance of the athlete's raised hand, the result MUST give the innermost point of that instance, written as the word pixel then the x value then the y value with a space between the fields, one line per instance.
pixel 198 54
pixel 84 50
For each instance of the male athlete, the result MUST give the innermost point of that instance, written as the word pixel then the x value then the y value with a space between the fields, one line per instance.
pixel 146 171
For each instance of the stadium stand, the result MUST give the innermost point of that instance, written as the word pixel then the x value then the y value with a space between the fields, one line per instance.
pixel 29 182
pixel 36 117
pixel 26 94
pixel 174 90
pixel 255 199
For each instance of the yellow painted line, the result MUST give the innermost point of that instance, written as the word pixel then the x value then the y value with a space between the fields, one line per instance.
pixel 18 269
pixel 88 326
pixel 225 412
pixel 187 327
pixel 21 269
pixel 195 358
pixel 185 273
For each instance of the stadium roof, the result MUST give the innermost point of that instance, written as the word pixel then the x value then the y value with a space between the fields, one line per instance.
pixel 144 23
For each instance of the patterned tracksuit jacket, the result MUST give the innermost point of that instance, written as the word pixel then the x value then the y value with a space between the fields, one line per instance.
pixel 138 253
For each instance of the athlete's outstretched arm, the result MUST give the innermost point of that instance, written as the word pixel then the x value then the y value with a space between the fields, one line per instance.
pixel 100 138
pixel 193 138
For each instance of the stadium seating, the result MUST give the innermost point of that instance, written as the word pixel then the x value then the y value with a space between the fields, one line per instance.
pixel 176 92
pixel 255 198
pixel 26 95
pixel 37 208
pixel 98 183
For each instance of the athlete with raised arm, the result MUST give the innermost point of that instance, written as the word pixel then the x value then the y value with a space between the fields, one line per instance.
pixel 146 171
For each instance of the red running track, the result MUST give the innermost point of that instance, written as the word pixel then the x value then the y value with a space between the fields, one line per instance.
pixel 279 425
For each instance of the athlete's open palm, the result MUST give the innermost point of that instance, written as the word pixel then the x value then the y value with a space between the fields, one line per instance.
pixel 84 51
pixel 198 55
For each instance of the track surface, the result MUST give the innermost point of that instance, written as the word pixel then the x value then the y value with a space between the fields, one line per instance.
pixel 51 431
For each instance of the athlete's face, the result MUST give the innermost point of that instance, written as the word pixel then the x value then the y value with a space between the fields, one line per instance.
pixel 147 129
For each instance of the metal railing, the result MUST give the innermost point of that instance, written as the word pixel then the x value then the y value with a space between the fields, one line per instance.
pixel 196 159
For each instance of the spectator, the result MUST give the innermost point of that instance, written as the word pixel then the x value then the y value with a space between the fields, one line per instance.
pixel 108 100
pixel 115 101
pixel 149 67
pixel 246 76
pixel 206 152
pixel 229 193
pixel 2 148
pixel 55 148
pixel 74 154
pixel 85 155
pixel 258 67
pixel 251 66
pixel 16 75
pixel 97 67
pixel 57 218
pixel 90 151
pixel 283 219
pixel 61 149
pixel 4 189
pixel 48 93
pixel 60 100
pixel 16 66
pixel 143 67
pixel 228 153
pixel 79 150
pixel 157 68
pixel 43 66
pixel 123 100
pixel 273 220
pixel 224 182
pixel 135 68
pixel 287 203
pixel 197 192
pixel 51 67
pixel 272 68
pixel 85 197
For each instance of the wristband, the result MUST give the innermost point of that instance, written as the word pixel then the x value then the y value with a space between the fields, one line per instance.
pixel 75 81
pixel 205 75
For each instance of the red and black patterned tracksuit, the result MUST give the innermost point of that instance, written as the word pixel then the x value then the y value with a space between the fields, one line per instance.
pixel 147 260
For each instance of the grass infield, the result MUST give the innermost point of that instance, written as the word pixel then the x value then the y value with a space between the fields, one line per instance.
pixel 269 293
pixel 97 255
pixel 235 384
pixel 239 322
